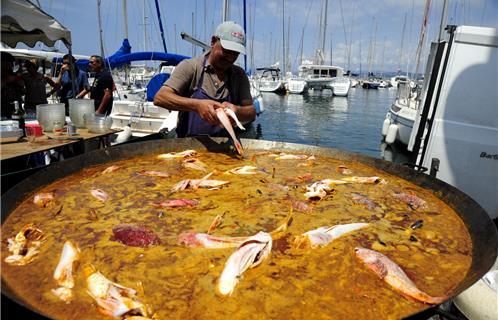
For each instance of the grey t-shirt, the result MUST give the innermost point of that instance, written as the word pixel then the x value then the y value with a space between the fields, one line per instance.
pixel 187 74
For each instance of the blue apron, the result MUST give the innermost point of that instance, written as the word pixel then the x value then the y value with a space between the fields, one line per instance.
pixel 190 123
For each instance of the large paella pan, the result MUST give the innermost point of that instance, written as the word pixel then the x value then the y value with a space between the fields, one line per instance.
pixel 184 228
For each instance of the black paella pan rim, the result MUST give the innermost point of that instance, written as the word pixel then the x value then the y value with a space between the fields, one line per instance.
pixel 480 226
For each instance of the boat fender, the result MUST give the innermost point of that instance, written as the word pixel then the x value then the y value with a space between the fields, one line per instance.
pixel 124 135
pixel 257 106
pixel 391 133
pixel 385 126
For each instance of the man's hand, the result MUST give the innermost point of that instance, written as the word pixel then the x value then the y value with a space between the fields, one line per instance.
pixel 207 111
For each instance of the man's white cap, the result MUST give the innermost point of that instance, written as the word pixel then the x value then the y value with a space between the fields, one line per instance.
pixel 232 36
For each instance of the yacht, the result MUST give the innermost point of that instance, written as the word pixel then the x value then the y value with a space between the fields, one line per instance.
pixel 270 80
pixel 340 86
pixel 319 77
pixel 370 84
pixel 394 80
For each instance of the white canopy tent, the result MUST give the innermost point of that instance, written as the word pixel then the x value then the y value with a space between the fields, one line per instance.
pixel 22 21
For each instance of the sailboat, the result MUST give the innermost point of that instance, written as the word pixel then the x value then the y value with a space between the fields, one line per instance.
pixel 399 120
pixel 371 82
pixel 140 117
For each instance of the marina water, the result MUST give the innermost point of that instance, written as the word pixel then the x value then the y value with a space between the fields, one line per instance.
pixel 318 118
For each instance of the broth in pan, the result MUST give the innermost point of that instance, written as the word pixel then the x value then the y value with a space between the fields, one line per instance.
pixel 198 235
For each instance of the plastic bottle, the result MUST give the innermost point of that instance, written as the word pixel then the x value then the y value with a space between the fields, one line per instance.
pixel 18 115
pixel 71 129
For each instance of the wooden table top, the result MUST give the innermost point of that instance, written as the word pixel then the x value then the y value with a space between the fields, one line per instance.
pixel 46 142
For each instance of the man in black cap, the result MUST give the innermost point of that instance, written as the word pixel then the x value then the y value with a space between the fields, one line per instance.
pixel 203 84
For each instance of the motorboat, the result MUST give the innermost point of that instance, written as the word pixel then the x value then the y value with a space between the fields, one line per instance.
pixel 394 80
pixel 319 77
pixel 340 86
pixel 270 80
pixel 370 84
pixel 384 84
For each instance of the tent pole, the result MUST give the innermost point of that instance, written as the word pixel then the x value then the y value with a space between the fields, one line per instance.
pixel 73 72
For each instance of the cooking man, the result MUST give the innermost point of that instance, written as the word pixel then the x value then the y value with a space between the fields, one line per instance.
pixel 200 85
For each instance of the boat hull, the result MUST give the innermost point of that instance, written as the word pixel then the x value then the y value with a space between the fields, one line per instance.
pixel 296 86
pixel 401 119
pixel 370 85
pixel 271 86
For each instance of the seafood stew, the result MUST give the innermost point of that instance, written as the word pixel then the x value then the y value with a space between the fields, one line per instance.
pixel 269 235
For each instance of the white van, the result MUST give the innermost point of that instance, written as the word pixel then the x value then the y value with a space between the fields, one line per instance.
pixel 455 134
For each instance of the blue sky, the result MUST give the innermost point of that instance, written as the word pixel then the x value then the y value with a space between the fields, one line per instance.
pixel 357 22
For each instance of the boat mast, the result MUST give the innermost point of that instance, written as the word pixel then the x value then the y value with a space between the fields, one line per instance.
pixel 346 52
pixel 318 50
pixel 382 59
pixel 283 38
pixel 374 45
pixel 270 52
pixel 331 48
pixel 325 25
pixel 370 50
pixel 176 44
pixel 288 45
pixel 125 18
pixel 359 51
pixel 401 46
pixel 351 39
pixel 193 32
pixel 245 32
pixel 302 47
pixel 145 27
pixel 161 26
pixel 252 37
pixel 100 29
pixel 423 28
pixel 226 10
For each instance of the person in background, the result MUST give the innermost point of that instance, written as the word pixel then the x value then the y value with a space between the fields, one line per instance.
pixel 102 86
pixel 12 86
pixel 203 84
pixel 64 83
pixel 36 86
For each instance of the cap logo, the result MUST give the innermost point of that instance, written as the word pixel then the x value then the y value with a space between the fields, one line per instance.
pixel 237 34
